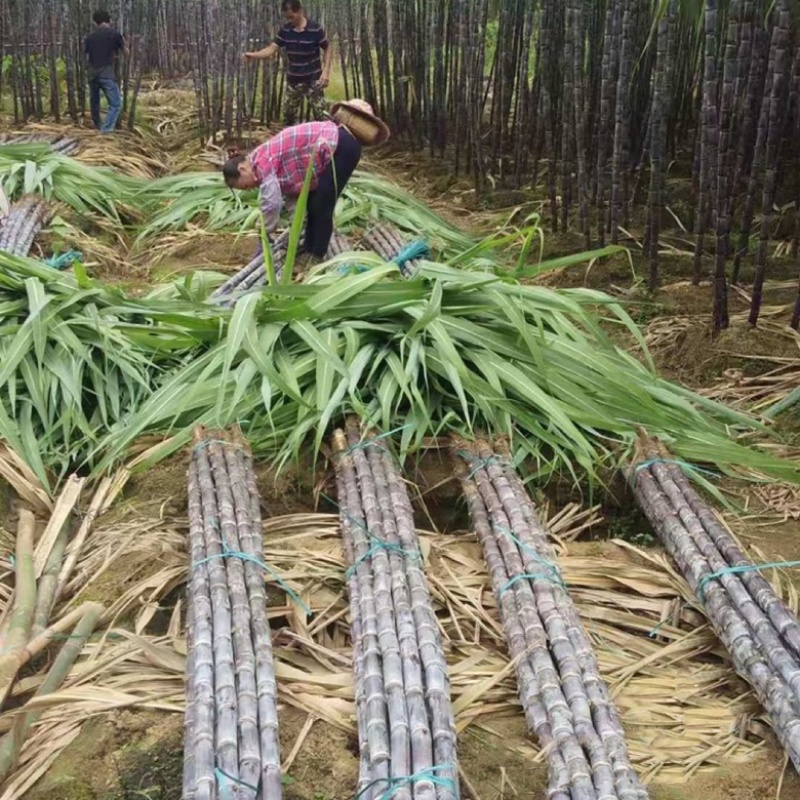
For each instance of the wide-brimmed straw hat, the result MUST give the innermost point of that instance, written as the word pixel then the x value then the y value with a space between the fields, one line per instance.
pixel 359 118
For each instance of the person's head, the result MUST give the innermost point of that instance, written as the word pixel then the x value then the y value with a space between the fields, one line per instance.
pixel 101 17
pixel 238 172
pixel 292 11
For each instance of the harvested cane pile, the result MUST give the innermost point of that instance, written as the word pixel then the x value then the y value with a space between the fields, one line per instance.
pixel 387 242
pixel 684 709
pixel 64 145
pixel 231 722
pixel 757 628
pixel 254 275
pixel 22 225
pixel 407 738
pixel 566 702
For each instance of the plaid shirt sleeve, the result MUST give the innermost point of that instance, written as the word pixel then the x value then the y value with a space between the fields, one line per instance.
pixel 271 201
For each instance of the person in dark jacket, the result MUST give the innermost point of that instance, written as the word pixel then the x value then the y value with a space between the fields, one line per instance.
pixel 102 47
pixel 308 62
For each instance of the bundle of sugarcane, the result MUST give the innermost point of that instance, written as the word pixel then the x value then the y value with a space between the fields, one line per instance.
pixel 387 242
pixel 566 702
pixel 757 628
pixel 249 276
pixel 406 728
pixel 254 275
pixel 22 224
pixel 231 745
pixel 65 145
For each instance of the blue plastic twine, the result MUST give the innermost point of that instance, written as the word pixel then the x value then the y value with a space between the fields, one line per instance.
pixel 712 576
pixel 64 260
pixel 677 462
pixel 428 774
pixel 226 782
pixel 372 441
pixel 411 252
pixel 743 569
pixel 228 553
pixel 555 576
pixel 377 546
pixel 208 442
pixel 481 463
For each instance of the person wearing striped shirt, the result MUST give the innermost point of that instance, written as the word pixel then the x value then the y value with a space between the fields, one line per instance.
pixel 308 62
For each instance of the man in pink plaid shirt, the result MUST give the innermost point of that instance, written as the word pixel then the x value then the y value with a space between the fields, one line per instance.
pixel 278 168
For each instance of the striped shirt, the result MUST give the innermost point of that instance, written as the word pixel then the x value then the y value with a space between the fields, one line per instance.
pixel 280 164
pixel 303 51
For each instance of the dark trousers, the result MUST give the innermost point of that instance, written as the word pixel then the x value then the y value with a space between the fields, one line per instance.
pixel 322 201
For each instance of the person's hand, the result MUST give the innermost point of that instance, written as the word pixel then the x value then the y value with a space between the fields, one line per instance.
pixel 248 57
pixel 324 81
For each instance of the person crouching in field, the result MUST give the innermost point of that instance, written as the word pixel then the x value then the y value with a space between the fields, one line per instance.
pixel 308 62
pixel 278 169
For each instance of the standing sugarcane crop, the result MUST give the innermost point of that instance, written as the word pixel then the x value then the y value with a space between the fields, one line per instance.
pixel 309 56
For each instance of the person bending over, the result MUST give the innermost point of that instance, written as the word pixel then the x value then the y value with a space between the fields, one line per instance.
pixel 102 46
pixel 278 169
pixel 308 56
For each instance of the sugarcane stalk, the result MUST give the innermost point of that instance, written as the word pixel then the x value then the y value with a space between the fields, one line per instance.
pixel 356 632
pixel 385 622
pixel 190 715
pixel 555 689
pixel 12 743
pixel 48 582
pixel 603 711
pixel 749 661
pixel 765 635
pixel 375 714
pixel 420 734
pixel 527 683
pixel 225 738
pixel 437 682
pixel 267 687
pixel 780 615
pixel 249 752
pixel 199 749
pixel 544 618
pixel 19 627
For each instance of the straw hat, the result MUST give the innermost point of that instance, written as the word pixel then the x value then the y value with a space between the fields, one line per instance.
pixel 359 118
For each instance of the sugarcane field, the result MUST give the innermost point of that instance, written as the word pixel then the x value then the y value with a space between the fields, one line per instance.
pixel 399 400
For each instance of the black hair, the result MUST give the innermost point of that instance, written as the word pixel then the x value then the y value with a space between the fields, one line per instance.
pixel 101 17
pixel 230 169
pixel 291 5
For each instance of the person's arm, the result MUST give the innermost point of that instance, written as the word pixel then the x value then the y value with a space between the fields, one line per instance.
pixel 271 202
pixel 268 52
pixel 327 60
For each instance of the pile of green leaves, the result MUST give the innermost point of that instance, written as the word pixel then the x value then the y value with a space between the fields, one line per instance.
pixel 31 168
pixel 86 370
